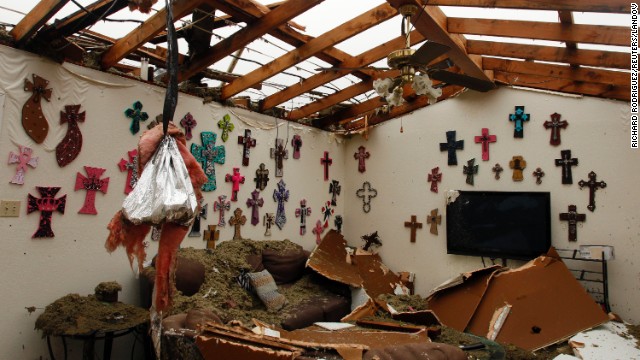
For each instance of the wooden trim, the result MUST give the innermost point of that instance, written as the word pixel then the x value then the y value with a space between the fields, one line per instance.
pixel 606 6
pixel 38 16
pixel 333 99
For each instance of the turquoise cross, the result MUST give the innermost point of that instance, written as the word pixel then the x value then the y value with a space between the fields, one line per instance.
pixel 136 115
pixel 208 154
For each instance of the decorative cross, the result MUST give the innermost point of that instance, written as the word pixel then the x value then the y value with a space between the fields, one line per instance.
pixel 237 220
pixel 22 158
pixel 518 164
pixel 254 202
pixel 566 162
pixel 33 119
pixel 188 123
pixel 334 190
pixel 262 177
pixel 296 143
pixel 485 139
pixel 361 155
pixel 414 225
pixel 92 183
pixel 497 169
pixel 268 223
pixel 371 240
pixel 337 221
pixel 519 118
pixel 593 185
pixel 226 126
pixel 47 204
pixel 451 146
pixel 131 167
pixel 434 219
pixel 136 115
pixel 209 154
pixel 470 169
pixel 366 192
pixel 211 235
pixel 302 212
pixel 69 147
pixel 318 229
pixel 279 153
pixel 247 143
pixel 326 161
pixel 327 211
pixel 572 216
pixel 434 178
pixel 195 228
pixel 281 194
pixel 221 205
pixel 539 174
pixel 236 179
pixel 555 125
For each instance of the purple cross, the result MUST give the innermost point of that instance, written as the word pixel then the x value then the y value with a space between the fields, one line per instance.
pixel 361 155
pixel 221 205
pixel 188 123
pixel 247 143
pixel 254 202
pixel 296 142
pixel 22 158
pixel 434 178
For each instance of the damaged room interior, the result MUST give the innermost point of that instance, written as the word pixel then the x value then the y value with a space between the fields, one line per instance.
pixel 319 179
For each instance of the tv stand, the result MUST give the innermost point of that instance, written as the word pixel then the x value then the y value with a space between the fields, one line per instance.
pixel 589 271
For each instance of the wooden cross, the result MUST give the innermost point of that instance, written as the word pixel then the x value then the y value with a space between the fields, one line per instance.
pixel 302 212
pixel 451 146
pixel 414 225
pixel 69 147
pixel 296 143
pixel 222 205
pixel 470 169
pixel 33 119
pixel 211 235
pixel 485 139
pixel 188 123
pixel 334 190
pixel 518 164
pixel 434 178
pixel 209 154
pixel 254 202
pixel 195 228
pixel 366 193
pixel 519 118
pixel 497 169
pixel 555 125
pixel 262 177
pixel 247 143
pixel 361 155
pixel 434 219
pixel 268 223
pixel 327 211
pixel 47 204
pixel 92 183
pixel 236 179
pixel 280 195
pixel 593 186
pixel 226 126
pixel 279 153
pixel 326 161
pixel 539 174
pixel 337 221
pixel 318 229
pixel 131 167
pixel 23 158
pixel 566 162
pixel 572 216
pixel 237 220
pixel 136 115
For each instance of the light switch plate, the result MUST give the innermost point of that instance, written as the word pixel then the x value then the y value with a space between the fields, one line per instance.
pixel 9 208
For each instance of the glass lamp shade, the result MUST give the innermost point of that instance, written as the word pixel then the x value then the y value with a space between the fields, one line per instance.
pixel 383 86
pixel 424 86
pixel 395 98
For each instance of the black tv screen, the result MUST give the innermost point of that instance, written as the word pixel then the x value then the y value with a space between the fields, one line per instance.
pixel 497 224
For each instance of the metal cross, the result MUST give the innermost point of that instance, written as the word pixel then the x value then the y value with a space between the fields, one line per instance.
pixel 470 169
pixel 131 167
pixel 268 223
pixel 209 154
pixel 572 216
pixel 334 190
pixel 262 177
pixel 302 212
pixel 539 174
pixel 247 143
pixel 497 169
pixel 566 162
pixel 327 211
pixel 366 193
pixel 555 125
pixel 281 194
pixel 451 146
pixel 92 183
pixel 593 185
pixel 279 153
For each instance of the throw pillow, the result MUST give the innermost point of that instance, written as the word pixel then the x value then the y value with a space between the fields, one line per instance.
pixel 285 267
pixel 267 290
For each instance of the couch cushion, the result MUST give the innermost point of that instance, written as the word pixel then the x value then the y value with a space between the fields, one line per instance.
pixel 189 275
pixel 305 315
pixel 267 290
pixel 285 267
pixel 255 262
pixel 198 317
pixel 430 351
pixel 335 308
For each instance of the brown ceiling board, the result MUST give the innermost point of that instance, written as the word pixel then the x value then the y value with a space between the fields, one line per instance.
pixel 342 32
pixel 579 33
pixel 564 85
pixel 607 59
pixel 364 59
pixel 566 17
pixel 146 31
pixel 606 6
pixel 246 35
pixel 38 16
pixel 81 19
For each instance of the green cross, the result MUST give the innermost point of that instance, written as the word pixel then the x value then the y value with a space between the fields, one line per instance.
pixel 207 155
pixel 227 126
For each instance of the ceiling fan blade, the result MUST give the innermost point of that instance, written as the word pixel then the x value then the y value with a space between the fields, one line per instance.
pixel 463 80
pixel 428 52
pixel 337 68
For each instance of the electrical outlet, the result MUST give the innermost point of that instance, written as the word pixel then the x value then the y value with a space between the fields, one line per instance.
pixel 9 208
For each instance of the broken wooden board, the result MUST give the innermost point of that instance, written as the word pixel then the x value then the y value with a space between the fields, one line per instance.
pixel 369 339
pixel 329 259
pixel 377 278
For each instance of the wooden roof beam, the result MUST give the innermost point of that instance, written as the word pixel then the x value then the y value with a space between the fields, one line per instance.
pixel 81 20
pixel 38 16
pixel 605 6
pixel 350 28
pixel 566 17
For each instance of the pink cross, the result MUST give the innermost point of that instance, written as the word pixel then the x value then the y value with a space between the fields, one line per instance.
pixel 92 183
pixel 485 139
pixel 22 158
pixel 434 178
pixel 236 179
pixel 361 155
pixel 188 123
pixel 131 167
pixel 318 229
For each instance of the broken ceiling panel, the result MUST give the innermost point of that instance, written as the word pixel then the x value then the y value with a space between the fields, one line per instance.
pixel 330 259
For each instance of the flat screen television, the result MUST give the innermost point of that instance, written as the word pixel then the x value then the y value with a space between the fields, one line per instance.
pixel 499 224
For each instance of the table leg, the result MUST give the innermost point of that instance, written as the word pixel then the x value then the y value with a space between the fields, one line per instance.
pixel 88 348
pixel 108 344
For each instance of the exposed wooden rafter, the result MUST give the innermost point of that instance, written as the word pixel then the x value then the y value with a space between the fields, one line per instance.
pixel 606 6
pixel 38 16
